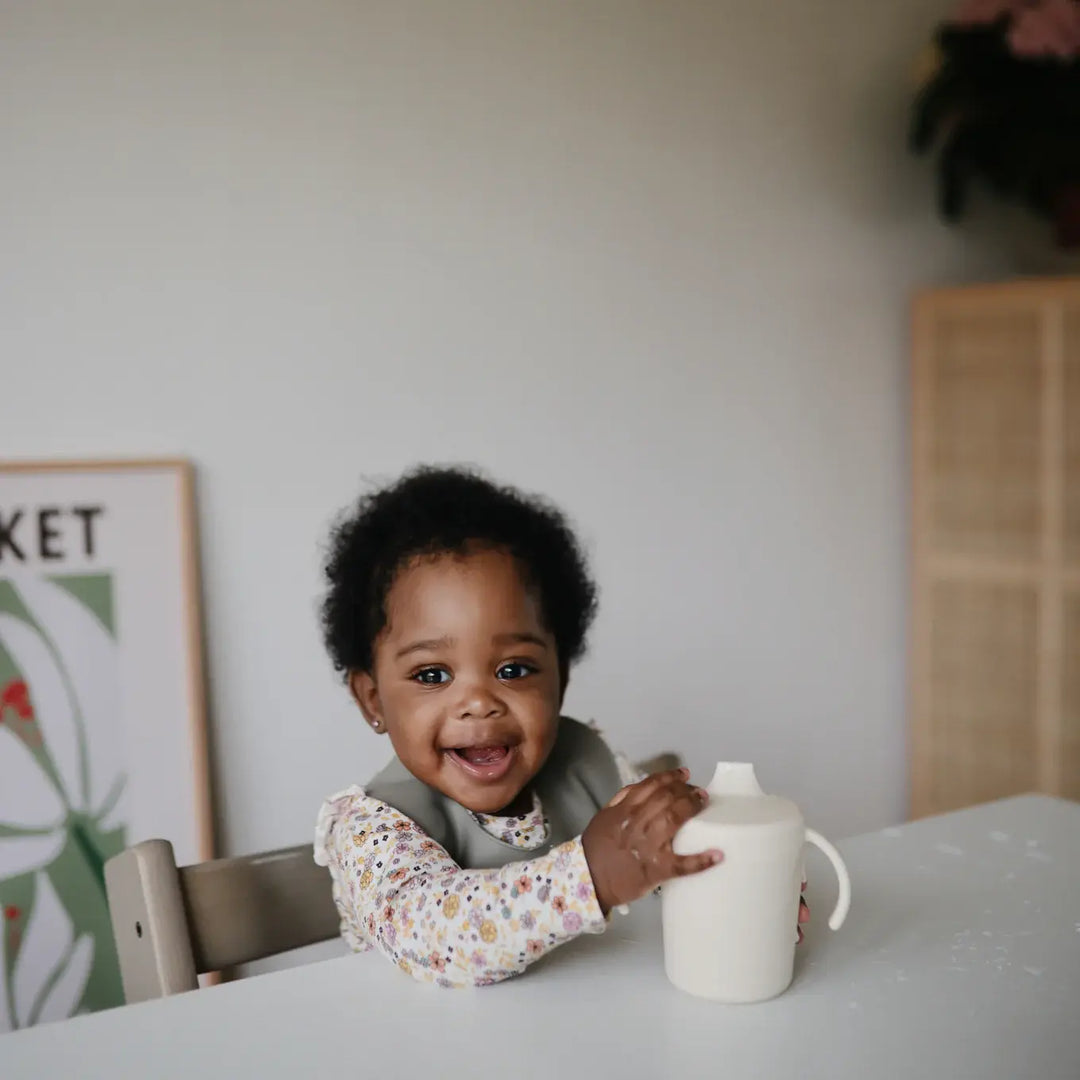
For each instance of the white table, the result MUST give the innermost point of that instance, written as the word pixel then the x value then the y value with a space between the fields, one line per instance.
pixel 961 958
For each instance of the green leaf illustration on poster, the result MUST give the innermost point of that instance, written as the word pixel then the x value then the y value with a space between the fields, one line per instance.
pixel 62 787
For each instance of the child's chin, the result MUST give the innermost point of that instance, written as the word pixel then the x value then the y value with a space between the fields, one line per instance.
pixel 488 805
pixel 487 801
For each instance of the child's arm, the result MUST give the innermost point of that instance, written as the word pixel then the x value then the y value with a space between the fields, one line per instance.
pixel 399 891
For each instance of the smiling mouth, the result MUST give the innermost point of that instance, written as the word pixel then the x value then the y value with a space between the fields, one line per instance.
pixel 483 762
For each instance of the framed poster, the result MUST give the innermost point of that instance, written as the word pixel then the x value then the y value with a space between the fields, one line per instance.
pixel 102 713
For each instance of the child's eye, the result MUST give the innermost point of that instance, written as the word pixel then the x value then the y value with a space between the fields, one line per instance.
pixel 431 676
pixel 515 670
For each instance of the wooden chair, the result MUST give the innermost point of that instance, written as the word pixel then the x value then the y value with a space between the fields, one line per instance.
pixel 172 923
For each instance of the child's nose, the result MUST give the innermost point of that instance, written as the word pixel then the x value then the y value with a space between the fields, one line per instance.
pixel 478 702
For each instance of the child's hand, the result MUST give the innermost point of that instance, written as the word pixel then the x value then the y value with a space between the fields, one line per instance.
pixel 628 843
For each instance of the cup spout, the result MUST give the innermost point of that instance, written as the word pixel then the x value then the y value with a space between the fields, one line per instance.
pixel 734 778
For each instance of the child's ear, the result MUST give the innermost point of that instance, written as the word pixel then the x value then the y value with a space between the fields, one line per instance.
pixel 366 694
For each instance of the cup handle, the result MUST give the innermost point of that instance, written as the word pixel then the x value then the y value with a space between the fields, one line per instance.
pixel 843 902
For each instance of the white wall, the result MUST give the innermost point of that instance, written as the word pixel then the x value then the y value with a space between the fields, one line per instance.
pixel 652 258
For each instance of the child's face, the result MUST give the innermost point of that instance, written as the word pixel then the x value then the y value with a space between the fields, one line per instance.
pixel 466 678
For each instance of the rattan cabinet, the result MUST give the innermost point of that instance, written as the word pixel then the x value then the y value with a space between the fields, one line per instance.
pixel 995 626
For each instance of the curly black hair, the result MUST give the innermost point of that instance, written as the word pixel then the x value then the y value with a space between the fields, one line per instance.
pixel 431 511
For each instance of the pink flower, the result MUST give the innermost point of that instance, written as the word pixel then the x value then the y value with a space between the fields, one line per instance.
pixel 985 12
pixel 1048 29
pixel 571 922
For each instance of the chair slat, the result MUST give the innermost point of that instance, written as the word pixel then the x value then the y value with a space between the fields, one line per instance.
pixel 244 909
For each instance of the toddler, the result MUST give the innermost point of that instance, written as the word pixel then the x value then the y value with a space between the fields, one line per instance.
pixel 501 829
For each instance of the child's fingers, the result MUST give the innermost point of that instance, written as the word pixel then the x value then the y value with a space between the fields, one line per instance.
pixel 619 796
pixel 640 793
pixel 661 817
pixel 804 912
pixel 694 864
pixel 655 805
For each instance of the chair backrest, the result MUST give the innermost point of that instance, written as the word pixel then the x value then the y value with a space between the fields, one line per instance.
pixel 173 923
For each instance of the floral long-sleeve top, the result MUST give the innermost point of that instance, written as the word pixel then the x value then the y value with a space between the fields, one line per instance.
pixel 398 891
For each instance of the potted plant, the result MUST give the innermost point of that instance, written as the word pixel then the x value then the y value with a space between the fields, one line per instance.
pixel 999 101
